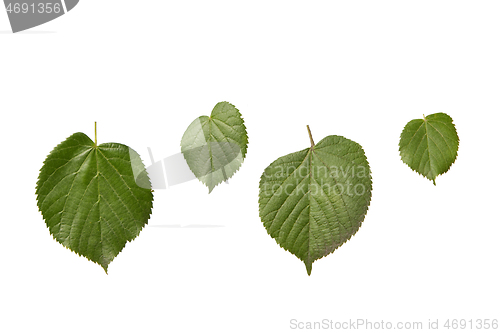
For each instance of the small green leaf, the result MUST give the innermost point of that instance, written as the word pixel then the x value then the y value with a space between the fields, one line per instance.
pixel 312 201
pixel 214 147
pixel 89 197
pixel 429 146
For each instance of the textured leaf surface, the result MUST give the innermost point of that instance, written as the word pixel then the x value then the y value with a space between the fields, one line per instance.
pixel 314 200
pixel 429 146
pixel 214 147
pixel 89 198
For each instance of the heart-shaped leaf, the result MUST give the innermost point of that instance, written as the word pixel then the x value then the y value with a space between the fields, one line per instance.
pixel 214 147
pixel 89 197
pixel 314 200
pixel 429 146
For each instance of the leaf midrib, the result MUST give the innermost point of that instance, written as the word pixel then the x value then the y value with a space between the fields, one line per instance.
pixel 114 190
pixel 210 148
pixel 429 151
pixel 98 202
pixel 341 196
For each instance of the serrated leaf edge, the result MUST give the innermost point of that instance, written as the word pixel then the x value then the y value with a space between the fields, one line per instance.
pixel 309 265
pixel 243 156
pixel 418 173
pixel 53 237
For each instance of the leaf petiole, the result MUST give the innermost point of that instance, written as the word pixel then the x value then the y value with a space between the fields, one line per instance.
pixel 310 136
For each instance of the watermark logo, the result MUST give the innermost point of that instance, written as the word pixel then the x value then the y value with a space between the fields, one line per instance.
pixel 331 180
pixel 26 14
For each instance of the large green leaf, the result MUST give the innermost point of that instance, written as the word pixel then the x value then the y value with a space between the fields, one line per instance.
pixel 89 197
pixel 314 200
pixel 429 146
pixel 214 147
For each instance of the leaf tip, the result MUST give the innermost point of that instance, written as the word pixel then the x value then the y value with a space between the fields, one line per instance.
pixel 105 267
pixel 309 268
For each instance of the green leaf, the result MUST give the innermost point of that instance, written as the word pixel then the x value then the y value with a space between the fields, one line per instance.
pixel 429 146
pixel 89 198
pixel 312 201
pixel 214 147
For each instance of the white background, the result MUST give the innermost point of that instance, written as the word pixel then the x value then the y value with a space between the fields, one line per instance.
pixel 144 70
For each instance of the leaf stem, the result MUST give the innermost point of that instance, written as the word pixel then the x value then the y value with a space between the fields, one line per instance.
pixel 95 132
pixel 310 136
